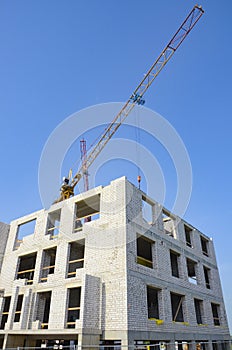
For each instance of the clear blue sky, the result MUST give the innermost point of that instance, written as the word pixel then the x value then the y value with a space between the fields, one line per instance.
pixel 58 57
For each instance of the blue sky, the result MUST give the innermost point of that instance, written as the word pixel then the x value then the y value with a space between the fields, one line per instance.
pixel 58 57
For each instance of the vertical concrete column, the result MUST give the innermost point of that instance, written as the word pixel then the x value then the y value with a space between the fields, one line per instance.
pixel 14 299
pixel 61 260
pixel 38 266
pixel 25 309
pixel 1 307
pixel 166 305
pixel 88 341
pixel 157 212
pixel 58 308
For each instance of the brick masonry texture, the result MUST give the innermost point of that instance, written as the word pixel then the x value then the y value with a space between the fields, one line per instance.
pixel 113 301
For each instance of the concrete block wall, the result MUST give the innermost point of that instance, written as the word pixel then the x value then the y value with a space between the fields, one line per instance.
pixel 160 277
pixel 113 285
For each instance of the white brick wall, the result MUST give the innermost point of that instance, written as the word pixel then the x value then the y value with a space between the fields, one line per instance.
pixel 113 285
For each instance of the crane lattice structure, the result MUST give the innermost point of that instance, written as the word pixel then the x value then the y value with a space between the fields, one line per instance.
pixel 67 188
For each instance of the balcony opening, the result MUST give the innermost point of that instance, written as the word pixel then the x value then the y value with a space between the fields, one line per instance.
pixel 5 311
pixel 204 246
pixel 215 312
pixel 48 267
pixel 207 276
pixel 147 210
pixel 86 210
pixel 144 252
pixel 202 345
pixel 24 229
pixel 177 308
pixel 26 267
pixel 18 308
pixel 76 257
pixel 191 267
pixel 73 311
pixel 153 302
pixel 174 259
pixel 53 224
pixel 168 223
pixel 188 236
pixel 43 308
pixel 198 310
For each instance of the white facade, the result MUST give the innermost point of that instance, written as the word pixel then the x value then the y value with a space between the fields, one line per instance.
pixel 125 276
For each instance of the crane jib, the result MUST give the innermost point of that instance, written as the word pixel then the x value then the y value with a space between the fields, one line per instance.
pixel 67 190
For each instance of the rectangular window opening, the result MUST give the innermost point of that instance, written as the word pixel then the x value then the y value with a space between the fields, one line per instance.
pixel 144 252
pixel 26 267
pixel 191 267
pixel 24 229
pixel 76 257
pixel 215 312
pixel 188 236
pixel 174 258
pixel 18 308
pixel 43 308
pixel 198 310
pixel 5 312
pixel 86 210
pixel 207 276
pixel 177 308
pixel 182 345
pixel 73 311
pixel 147 210
pixel 153 302
pixel 53 224
pixel 168 223
pixel 201 345
pixel 204 246
pixel 48 267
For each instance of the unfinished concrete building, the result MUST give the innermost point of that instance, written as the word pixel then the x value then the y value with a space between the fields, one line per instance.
pixel 120 278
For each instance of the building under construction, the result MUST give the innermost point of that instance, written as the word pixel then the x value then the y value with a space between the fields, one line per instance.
pixel 96 269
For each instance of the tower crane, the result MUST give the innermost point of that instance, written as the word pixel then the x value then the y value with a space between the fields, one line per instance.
pixel 67 188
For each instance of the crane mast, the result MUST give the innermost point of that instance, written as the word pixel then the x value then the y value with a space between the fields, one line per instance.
pixel 67 188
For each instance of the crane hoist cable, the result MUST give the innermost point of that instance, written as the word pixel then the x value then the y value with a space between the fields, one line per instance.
pixel 136 98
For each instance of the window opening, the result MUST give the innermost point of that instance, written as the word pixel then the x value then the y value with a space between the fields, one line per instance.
pixel 144 252
pixel 49 259
pixel 86 210
pixel 151 345
pixel 177 309
pixel 204 246
pixel 152 302
pixel 201 345
pixel 181 345
pixel 18 308
pixel 43 308
pixel 73 312
pixel 174 257
pixel 27 267
pixel 5 312
pixel 76 257
pixel 110 345
pixel 24 229
pixel 53 224
pixel 191 267
pixel 215 311
pixel 168 223
pixel 188 234
pixel 198 310
pixel 147 210
pixel 207 278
